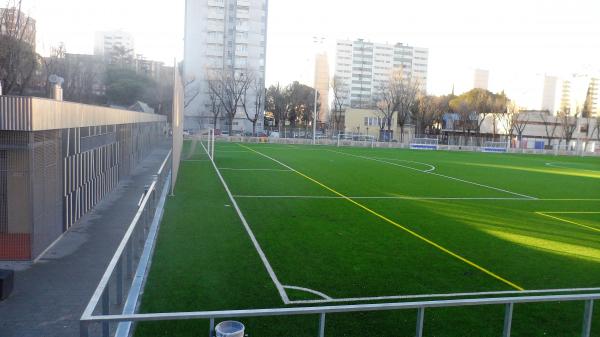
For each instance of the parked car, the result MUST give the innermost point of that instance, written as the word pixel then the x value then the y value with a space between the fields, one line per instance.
pixel 274 134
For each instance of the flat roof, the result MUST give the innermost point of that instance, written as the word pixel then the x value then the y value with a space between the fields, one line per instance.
pixel 37 114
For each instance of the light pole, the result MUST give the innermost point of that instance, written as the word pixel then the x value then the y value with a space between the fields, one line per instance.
pixel 316 41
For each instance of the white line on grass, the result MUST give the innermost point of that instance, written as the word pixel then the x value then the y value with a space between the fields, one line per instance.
pixel 263 257
pixel 373 197
pixel 560 165
pixel 435 174
pixel 405 297
pixel 311 291
pixel 252 169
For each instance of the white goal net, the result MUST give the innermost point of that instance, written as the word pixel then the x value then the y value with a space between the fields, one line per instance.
pixel 498 147
pixel 424 144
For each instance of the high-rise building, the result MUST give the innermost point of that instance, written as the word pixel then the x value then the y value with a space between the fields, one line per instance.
pixel 106 43
pixel 222 35
pixel 481 79
pixel 322 85
pixel 364 66
pixel 14 23
pixel 572 93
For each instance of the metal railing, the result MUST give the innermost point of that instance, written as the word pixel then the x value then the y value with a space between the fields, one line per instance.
pixel 394 145
pixel 322 311
pixel 118 279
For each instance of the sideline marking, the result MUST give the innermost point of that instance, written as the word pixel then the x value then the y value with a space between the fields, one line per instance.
pixel 435 174
pixel 405 297
pixel 547 214
pixel 559 165
pixel 375 197
pixel 263 257
pixel 413 233
pixel 252 169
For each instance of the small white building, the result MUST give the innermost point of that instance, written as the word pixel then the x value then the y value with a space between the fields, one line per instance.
pixel 106 42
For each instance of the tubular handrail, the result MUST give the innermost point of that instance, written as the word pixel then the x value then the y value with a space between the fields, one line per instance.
pixel 116 259
pixel 340 308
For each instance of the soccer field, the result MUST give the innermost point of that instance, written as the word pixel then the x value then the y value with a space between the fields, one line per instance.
pixel 283 226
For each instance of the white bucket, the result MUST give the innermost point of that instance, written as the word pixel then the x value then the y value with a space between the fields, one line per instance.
pixel 230 329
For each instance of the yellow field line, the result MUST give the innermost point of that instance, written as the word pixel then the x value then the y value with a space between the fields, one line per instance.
pixel 413 233
pixel 569 221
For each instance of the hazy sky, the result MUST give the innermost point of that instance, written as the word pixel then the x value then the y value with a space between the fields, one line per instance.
pixel 518 41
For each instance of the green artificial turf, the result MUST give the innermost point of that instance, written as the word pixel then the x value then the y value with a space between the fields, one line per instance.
pixel 355 222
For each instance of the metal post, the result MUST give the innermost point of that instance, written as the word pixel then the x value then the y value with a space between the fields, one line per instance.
pixel 105 311
pixel 322 325
pixel 119 280
pixel 211 331
pixel 130 257
pixel 508 313
pixel 420 320
pixel 587 318
pixel 84 329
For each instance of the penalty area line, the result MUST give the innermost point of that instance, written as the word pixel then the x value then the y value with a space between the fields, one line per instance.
pixel 388 220
pixel 261 253
pixel 547 214
pixel 436 174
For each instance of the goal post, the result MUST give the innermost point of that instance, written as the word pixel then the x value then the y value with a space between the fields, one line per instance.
pixel 424 144
pixel 495 147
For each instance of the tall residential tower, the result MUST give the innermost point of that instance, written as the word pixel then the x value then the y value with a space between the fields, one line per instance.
pixel 363 66
pixel 222 35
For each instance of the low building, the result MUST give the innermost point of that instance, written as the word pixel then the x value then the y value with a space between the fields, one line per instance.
pixel 368 122
pixel 57 161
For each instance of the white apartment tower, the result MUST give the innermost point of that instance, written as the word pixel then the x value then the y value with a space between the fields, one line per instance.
pixel 222 35
pixel 106 42
pixel 481 79
pixel 363 66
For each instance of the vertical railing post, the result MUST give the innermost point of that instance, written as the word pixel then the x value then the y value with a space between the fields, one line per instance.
pixel 587 318
pixel 84 329
pixel 211 330
pixel 105 310
pixel 129 257
pixel 322 325
pixel 508 313
pixel 119 280
pixel 420 321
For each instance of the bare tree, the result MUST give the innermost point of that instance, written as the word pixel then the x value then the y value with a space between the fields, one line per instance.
pixel 18 59
pixel 516 121
pixel 215 103
pixel 387 104
pixel 596 128
pixel 339 88
pixel 230 87
pixel 255 108
pixel 568 124
pixel 550 126
pixel 407 91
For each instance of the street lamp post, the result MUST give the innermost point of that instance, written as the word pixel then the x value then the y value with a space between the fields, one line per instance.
pixel 317 41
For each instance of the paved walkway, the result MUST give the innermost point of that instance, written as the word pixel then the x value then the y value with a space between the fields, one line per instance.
pixel 50 295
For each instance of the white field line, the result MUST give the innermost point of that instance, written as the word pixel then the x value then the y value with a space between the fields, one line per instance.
pixel 261 253
pixel 233 151
pixel 252 169
pixel 559 165
pixel 311 291
pixel 404 297
pixel 431 167
pixel 436 174
pixel 374 197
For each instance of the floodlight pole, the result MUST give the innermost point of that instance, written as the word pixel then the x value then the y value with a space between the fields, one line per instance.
pixel 315 115
pixel 317 41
